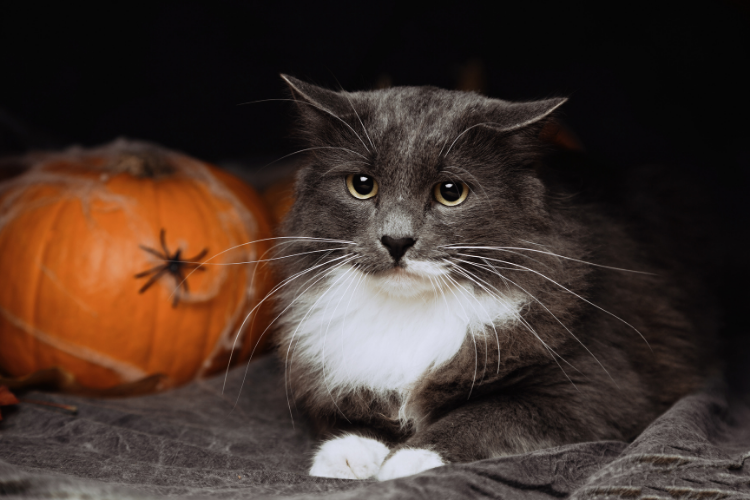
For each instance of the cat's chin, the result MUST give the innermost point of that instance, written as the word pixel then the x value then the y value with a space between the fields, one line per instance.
pixel 412 279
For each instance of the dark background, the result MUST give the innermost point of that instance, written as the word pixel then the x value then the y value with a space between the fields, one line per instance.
pixel 655 82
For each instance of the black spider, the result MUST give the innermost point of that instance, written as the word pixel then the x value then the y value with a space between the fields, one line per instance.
pixel 173 265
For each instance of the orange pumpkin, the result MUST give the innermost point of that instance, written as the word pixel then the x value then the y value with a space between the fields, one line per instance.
pixel 279 198
pixel 99 266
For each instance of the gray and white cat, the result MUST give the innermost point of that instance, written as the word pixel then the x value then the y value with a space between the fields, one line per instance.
pixel 449 296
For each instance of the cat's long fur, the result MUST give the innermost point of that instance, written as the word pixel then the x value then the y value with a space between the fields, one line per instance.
pixel 471 352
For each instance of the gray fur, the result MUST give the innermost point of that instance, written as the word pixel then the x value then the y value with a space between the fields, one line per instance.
pixel 605 383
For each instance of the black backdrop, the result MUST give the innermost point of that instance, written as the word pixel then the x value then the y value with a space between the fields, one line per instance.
pixel 651 82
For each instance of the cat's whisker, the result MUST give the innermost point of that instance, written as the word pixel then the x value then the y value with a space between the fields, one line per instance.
pixel 252 324
pixel 466 316
pixel 320 259
pixel 510 250
pixel 515 314
pixel 553 354
pixel 470 294
pixel 235 247
pixel 316 148
pixel 546 309
pixel 572 293
pixel 333 314
pixel 343 323
pixel 276 288
pixel 442 292
pixel 288 361
pixel 490 319
pixel 314 106
pixel 332 286
pixel 545 247
pixel 350 273
pixel 346 94
pixel 262 261
pixel 522 255
pixel 299 294
pixel 459 247
pixel 435 288
pixel 561 324
pixel 268 295
pixel 310 309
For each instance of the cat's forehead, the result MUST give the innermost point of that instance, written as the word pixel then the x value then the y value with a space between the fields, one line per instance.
pixel 419 106
pixel 416 122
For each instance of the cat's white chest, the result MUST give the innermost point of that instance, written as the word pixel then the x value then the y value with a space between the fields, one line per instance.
pixel 359 335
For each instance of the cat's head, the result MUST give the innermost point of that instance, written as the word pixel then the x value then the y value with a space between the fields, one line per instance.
pixel 401 173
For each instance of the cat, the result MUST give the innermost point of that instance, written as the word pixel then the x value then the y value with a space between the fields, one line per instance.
pixel 449 295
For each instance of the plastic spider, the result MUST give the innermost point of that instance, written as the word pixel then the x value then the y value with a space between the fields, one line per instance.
pixel 173 265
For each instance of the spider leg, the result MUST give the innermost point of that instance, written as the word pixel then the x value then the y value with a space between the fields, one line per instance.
pixel 181 281
pixel 163 239
pixel 153 279
pixel 194 265
pixel 199 256
pixel 152 252
pixel 152 270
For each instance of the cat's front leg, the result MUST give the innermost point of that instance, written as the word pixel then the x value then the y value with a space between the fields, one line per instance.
pixel 471 432
pixel 497 426
pixel 349 457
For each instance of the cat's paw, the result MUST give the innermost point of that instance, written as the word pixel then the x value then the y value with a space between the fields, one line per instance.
pixel 349 457
pixel 407 462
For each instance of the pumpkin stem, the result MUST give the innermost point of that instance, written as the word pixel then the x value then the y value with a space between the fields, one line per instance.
pixel 142 161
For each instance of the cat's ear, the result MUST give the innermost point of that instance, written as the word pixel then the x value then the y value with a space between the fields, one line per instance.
pixel 510 116
pixel 313 98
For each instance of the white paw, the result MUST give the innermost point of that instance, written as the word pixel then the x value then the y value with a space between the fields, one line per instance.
pixel 349 457
pixel 407 462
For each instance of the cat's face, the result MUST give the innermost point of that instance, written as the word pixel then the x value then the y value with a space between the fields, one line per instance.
pixel 404 172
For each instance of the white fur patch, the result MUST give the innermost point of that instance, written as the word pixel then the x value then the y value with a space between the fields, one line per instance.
pixel 383 332
pixel 349 457
pixel 408 462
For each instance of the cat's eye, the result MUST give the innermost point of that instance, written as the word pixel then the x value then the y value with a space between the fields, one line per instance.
pixel 362 186
pixel 451 193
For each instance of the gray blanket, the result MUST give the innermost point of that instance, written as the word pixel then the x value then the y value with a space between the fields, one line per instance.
pixel 194 442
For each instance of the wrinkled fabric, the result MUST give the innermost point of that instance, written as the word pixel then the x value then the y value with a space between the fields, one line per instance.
pixel 246 442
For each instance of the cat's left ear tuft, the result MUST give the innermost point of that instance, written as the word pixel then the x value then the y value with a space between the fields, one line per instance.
pixel 511 116
pixel 323 100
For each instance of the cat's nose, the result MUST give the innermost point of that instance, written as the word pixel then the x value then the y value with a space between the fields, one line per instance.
pixel 397 247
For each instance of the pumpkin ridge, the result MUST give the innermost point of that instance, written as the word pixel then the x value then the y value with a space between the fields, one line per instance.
pixel 206 350
pixel 148 359
pixel 206 206
pixel 37 261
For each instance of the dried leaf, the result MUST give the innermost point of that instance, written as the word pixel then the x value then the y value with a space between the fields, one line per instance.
pixel 7 398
